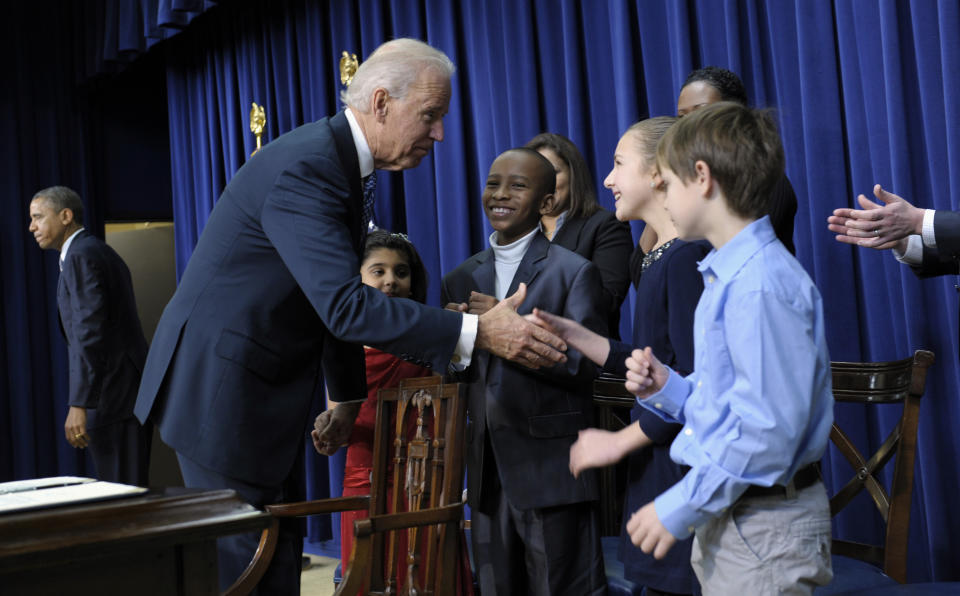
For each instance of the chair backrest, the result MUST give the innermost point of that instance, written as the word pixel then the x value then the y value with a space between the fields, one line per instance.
pixel 611 407
pixel 903 382
pixel 418 456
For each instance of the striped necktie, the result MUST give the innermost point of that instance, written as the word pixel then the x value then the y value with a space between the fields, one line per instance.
pixel 369 186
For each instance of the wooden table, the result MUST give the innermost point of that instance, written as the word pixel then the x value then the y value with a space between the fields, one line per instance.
pixel 163 542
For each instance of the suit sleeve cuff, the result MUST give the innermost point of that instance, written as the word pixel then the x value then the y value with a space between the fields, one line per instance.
pixel 463 353
pixel 913 255
pixel 929 237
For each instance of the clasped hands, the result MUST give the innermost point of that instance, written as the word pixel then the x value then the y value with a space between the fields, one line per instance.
pixel 332 428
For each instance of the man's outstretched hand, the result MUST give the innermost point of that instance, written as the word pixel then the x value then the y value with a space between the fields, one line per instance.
pixel 502 332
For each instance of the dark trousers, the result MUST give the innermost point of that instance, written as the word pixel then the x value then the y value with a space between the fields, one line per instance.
pixel 234 552
pixel 121 451
pixel 548 551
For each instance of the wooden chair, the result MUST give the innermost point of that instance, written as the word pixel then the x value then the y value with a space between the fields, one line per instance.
pixel 903 382
pixel 425 488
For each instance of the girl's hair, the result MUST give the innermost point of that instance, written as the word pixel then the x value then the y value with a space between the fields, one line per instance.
pixel 583 197
pixel 399 242
pixel 647 133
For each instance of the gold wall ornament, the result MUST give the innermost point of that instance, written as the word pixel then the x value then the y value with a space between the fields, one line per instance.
pixel 348 67
pixel 257 121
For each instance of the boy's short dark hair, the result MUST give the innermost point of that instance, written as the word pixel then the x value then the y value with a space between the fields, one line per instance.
pixel 546 176
pixel 583 196
pixel 399 242
pixel 740 144
pixel 726 82
pixel 60 198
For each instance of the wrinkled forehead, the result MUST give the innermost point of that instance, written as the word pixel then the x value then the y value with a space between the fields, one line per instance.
pixel 431 87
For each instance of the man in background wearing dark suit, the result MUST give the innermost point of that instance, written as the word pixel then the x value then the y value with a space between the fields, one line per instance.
pixel 272 295
pixel 105 343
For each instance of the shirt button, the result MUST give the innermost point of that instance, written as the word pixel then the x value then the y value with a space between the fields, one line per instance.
pixel 711 279
pixel 690 529
pixel 658 406
pixel 688 431
pixel 699 383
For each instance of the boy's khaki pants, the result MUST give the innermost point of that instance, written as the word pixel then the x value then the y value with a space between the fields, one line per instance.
pixel 766 545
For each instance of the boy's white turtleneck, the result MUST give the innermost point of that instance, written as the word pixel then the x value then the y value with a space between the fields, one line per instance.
pixel 507 260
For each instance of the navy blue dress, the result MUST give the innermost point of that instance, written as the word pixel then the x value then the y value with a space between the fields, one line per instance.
pixel 667 295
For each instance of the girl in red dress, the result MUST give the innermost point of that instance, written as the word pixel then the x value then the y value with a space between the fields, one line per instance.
pixel 392 265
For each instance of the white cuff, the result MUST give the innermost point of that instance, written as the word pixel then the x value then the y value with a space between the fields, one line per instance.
pixel 913 255
pixel 468 337
pixel 929 239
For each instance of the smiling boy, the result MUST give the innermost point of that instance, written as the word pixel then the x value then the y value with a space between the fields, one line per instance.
pixel 758 407
pixel 535 527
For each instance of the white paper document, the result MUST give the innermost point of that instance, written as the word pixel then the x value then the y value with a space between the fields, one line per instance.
pixel 23 495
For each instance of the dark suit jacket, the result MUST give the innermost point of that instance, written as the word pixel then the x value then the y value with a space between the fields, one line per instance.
pixel 271 295
pixel 945 258
pixel 98 317
pixel 532 417
pixel 606 242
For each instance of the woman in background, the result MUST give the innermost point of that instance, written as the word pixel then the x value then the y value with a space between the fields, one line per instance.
pixel 578 223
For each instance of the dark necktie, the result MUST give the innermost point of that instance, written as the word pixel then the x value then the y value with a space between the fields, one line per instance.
pixel 369 185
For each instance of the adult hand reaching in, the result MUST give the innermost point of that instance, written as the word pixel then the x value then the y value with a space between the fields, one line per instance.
pixel 881 225
pixel 502 332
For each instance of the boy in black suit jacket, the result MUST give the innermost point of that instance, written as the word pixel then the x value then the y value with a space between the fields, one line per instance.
pixel 535 527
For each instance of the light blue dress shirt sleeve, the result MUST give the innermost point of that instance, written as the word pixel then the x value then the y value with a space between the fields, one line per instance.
pixel 668 402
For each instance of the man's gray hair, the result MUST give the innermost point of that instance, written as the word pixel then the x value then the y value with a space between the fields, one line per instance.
pixel 395 66
pixel 60 198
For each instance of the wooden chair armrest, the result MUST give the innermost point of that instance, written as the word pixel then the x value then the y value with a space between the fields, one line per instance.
pixel 364 529
pixel 319 506
pixel 408 519
pixel 251 576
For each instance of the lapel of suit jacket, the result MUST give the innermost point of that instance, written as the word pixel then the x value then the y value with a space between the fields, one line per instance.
pixel 529 268
pixel 347 152
pixel 568 236
pixel 485 274
pixel 63 296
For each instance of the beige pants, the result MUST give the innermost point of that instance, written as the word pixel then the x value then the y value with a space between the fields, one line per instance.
pixel 766 545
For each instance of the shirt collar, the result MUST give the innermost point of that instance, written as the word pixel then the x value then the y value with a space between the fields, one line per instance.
pixel 561 219
pixel 66 245
pixel 364 156
pixel 518 246
pixel 727 261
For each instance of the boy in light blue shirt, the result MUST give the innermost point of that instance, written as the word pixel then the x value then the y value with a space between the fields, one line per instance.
pixel 757 410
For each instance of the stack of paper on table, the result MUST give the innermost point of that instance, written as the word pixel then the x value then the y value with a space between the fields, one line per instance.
pixel 23 495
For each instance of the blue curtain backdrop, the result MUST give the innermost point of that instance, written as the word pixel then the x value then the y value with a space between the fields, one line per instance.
pixel 859 92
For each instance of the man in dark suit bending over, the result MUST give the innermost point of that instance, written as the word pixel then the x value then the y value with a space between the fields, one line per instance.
pixel 272 295
pixel 105 344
